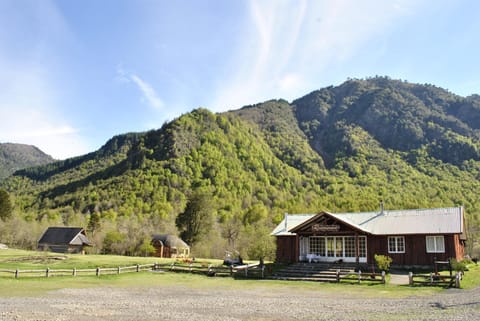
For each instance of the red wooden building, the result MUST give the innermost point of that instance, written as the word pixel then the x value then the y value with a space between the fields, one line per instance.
pixel 409 237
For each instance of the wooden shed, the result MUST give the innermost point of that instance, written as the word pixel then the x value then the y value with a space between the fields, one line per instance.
pixel 410 237
pixel 64 240
pixel 170 246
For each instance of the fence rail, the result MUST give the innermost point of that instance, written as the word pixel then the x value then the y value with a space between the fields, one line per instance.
pixel 249 270
pixel 433 279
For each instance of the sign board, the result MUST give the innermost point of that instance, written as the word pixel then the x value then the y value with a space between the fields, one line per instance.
pixel 325 228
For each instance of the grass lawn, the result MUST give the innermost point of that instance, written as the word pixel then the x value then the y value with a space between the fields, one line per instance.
pixel 28 286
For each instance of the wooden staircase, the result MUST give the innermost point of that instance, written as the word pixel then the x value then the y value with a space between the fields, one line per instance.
pixel 319 272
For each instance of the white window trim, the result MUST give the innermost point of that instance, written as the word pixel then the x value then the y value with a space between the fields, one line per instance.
pixel 396 238
pixel 435 243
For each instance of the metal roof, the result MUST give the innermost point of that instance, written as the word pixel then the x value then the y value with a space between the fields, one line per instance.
pixel 396 222
pixel 289 222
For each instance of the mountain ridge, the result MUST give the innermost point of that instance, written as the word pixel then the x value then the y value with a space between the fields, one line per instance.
pixel 15 157
pixel 341 148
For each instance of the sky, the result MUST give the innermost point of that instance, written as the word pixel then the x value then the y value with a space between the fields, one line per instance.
pixel 73 74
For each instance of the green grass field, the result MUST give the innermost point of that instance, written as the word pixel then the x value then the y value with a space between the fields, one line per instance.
pixel 29 286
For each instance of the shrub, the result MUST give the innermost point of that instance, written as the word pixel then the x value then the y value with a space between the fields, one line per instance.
pixel 383 262
pixel 458 266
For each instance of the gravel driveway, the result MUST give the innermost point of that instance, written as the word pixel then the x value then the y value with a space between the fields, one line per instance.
pixel 183 303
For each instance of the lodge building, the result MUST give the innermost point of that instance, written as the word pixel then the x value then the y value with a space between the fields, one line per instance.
pixel 410 237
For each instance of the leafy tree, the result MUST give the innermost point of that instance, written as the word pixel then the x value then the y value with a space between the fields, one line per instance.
pixel 6 207
pixel 197 218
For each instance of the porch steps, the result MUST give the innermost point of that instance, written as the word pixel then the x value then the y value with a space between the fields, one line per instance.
pixel 319 272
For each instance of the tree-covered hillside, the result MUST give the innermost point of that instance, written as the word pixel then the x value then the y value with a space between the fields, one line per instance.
pixel 339 149
pixel 14 157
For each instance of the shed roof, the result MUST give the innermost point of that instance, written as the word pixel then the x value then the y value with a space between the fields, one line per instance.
pixel 64 235
pixel 396 222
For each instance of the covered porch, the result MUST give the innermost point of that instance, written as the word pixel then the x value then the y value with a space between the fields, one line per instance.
pixel 323 238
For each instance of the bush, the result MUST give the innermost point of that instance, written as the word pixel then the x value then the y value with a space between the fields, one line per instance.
pixel 458 266
pixel 383 262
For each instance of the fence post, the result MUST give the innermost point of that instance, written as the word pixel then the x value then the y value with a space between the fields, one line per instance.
pixel 190 267
pixel 47 271
pixel 410 278
pixel 263 271
pixel 338 275
pixel 431 278
pixel 231 270
pixel 16 274
pixel 383 277
pixel 97 272
pixel 457 279
pixel 118 270
pixel 359 276
pixel 138 268
pixel 74 273
pixel 246 270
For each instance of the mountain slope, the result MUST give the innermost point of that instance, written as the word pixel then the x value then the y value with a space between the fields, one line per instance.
pixel 14 157
pixel 341 148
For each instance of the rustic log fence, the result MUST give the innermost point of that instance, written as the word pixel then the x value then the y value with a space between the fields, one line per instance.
pixel 248 270
pixel 75 272
pixel 434 279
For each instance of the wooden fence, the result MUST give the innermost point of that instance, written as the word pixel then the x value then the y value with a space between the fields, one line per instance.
pixel 74 272
pixel 249 270
pixel 433 279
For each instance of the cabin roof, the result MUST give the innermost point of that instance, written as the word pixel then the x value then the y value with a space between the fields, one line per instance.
pixel 169 240
pixel 385 222
pixel 64 235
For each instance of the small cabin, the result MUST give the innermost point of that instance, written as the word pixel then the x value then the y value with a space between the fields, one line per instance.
pixel 64 240
pixel 170 246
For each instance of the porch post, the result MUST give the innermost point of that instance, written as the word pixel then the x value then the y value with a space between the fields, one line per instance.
pixel 357 249
pixel 297 248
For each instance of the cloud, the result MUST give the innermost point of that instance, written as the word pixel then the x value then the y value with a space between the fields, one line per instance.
pixel 31 94
pixel 287 46
pixel 29 114
pixel 149 94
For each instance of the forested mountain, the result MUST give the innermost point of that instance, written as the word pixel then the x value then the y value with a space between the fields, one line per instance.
pixel 19 156
pixel 341 148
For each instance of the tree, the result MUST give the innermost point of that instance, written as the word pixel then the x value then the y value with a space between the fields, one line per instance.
pixel 6 207
pixel 197 217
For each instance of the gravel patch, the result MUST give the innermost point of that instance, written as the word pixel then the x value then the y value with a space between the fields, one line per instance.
pixel 182 303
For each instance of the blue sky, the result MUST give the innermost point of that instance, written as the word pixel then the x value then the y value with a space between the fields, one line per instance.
pixel 75 73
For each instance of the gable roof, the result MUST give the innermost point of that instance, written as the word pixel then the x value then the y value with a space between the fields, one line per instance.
pixel 64 235
pixel 289 222
pixel 170 240
pixel 396 222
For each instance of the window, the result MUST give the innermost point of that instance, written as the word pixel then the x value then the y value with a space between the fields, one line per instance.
pixel 435 244
pixel 396 244
pixel 317 246
pixel 349 246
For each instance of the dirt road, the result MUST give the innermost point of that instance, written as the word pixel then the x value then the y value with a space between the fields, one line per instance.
pixel 182 303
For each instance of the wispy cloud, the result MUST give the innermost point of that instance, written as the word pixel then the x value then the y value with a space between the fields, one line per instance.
pixel 31 98
pixel 29 114
pixel 289 45
pixel 149 95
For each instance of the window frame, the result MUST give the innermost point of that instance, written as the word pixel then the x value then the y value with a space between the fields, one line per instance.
pixel 396 243
pixel 435 243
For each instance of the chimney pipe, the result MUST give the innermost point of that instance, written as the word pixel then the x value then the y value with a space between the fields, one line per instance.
pixel 286 222
pixel 381 207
